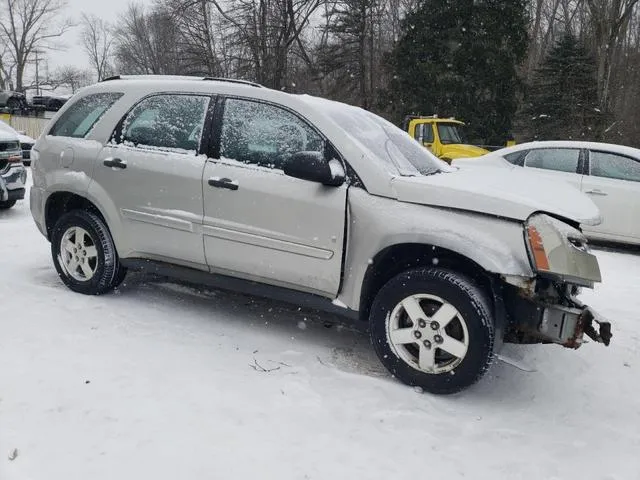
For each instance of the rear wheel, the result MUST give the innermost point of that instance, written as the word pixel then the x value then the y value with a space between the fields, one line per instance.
pixel 84 253
pixel 433 329
pixel 7 204
pixel 13 104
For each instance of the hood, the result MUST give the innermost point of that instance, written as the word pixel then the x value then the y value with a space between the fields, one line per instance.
pixel 497 191
pixel 7 136
pixel 25 139
pixel 459 150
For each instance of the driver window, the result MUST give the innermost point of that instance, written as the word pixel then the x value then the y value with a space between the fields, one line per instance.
pixel 425 131
pixel 266 135
pixel 610 165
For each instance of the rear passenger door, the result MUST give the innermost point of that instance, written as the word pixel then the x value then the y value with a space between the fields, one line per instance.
pixel 559 163
pixel 152 171
pixel 260 224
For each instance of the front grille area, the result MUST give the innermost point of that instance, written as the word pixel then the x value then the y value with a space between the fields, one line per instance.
pixel 8 146
pixel 26 150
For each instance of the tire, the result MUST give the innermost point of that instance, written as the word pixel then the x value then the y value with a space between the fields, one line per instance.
pixel 7 204
pixel 97 268
pixel 13 104
pixel 418 352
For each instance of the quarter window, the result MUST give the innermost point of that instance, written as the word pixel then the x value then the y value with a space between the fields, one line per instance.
pixel 517 158
pixel 78 120
pixel 558 159
pixel 262 134
pixel 166 122
pixel 610 165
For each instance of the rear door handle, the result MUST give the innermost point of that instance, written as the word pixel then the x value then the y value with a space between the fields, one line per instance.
pixel 223 183
pixel 595 191
pixel 115 163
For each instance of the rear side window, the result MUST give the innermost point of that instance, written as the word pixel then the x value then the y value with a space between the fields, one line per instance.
pixel 78 120
pixel 558 159
pixel 166 122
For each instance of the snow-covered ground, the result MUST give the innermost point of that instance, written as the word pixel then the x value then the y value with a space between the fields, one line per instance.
pixel 166 381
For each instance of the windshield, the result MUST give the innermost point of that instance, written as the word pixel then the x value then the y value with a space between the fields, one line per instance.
pixel 385 141
pixel 450 133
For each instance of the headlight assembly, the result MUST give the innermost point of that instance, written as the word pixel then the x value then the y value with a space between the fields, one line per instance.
pixel 557 249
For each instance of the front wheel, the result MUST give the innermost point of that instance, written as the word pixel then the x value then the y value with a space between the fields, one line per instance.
pixel 433 329
pixel 84 254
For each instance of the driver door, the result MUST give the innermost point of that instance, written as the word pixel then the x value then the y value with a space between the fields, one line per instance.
pixel 260 224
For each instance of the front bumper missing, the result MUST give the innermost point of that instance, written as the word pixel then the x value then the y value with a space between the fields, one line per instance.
pixel 567 326
pixel 549 323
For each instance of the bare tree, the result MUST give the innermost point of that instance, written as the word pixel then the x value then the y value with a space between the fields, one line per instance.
pixel 6 68
pixel 198 37
pixel 610 21
pixel 71 77
pixel 97 39
pixel 147 42
pixel 26 25
pixel 265 35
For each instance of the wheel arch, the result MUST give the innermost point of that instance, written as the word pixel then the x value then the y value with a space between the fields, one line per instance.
pixel 400 257
pixel 61 202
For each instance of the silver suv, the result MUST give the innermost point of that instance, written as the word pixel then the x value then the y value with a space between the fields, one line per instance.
pixel 318 203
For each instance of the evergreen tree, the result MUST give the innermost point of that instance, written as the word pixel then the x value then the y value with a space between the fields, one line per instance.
pixel 459 58
pixel 563 100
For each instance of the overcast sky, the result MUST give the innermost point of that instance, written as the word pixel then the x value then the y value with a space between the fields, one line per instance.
pixel 74 54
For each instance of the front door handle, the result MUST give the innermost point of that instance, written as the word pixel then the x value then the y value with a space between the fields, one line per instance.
pixel 115 163
pixel 595 191
pixel 223 183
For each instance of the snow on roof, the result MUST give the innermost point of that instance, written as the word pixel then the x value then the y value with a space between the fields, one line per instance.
pixel 610 147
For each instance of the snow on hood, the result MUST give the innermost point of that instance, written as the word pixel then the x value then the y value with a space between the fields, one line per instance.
pixel 501 192
pixel 9 130
pixel 25 139
pixel 7 136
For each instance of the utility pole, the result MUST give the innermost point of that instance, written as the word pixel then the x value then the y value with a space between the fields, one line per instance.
pixel 37 73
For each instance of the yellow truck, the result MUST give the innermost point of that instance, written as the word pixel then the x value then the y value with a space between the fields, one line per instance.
pixel 444 137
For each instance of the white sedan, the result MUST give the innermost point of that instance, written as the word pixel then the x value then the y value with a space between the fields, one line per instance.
pixel 609 174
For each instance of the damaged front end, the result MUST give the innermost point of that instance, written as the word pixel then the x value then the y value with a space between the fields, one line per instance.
pixel 545 309
pixel 563 320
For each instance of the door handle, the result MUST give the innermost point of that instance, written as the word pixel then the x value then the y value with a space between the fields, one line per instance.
pixel 115 163
pixel 223 183
pixel 595 191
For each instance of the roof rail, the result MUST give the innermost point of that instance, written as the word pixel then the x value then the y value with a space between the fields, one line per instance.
pixel 151 77
pixel 181 77
pixel 233 80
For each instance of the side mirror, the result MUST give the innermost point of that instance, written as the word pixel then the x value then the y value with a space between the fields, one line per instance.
pixel 313 167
